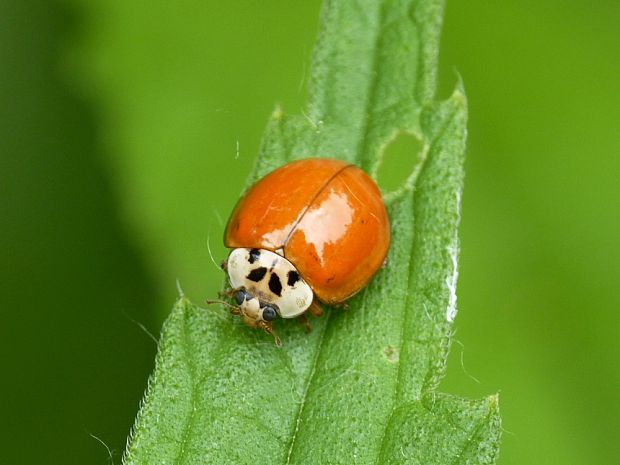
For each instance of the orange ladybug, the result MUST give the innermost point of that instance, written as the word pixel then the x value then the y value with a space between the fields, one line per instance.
pixel 314 228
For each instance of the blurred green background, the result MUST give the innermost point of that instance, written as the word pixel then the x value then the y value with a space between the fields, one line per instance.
pixel 127 132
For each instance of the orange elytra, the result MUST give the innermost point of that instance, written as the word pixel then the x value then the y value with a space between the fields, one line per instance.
pixel 316 227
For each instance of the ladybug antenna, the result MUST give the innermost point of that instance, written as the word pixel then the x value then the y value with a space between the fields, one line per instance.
pixel 233 308
pixel 209 250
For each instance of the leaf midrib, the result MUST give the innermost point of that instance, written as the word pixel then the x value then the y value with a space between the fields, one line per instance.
pixel 308 383
pixel 190 424
pixel 360 152
pixel 371 93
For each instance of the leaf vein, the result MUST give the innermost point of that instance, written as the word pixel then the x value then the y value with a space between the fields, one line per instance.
pixel 302 402
pixel 474 436
pixel 371 96
pixel 190 423
pixel 396 395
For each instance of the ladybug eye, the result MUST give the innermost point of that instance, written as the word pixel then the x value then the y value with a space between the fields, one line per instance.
pixel 240 296
pixel 269 313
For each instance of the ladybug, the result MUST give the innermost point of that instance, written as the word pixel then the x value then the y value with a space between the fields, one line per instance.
pixel 314 229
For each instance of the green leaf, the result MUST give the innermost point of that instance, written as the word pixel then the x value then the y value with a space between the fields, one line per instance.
pixel 360 387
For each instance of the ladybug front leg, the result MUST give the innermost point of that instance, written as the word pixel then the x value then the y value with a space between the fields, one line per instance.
pixel 315 309
pixel 305 322
pixel 269 329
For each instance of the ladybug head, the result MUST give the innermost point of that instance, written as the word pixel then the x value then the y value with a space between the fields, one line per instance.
pixel 254 312
pixel 265 286
pixel 247 305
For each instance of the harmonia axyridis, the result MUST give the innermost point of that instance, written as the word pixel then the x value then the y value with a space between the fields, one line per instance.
pixel 314 228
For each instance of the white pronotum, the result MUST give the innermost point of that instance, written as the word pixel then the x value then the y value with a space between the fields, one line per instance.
pixel 270 278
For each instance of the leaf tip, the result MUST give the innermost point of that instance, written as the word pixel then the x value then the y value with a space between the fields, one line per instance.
pixel 278 113
pixel 458 94
pixel 183 303
pixel 180 289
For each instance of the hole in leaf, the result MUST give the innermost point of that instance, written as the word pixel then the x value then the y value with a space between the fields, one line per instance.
pixel 400 157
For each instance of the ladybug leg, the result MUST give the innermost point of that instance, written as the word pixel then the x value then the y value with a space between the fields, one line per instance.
pixel 268 329
pixel 315 309
pixel 386 262
pixel 305 322
pixel 224 265
pixel 342 306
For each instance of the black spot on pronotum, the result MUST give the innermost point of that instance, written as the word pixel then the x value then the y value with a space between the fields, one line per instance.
pixel 257 274
pixel 254 255
pixel 275 285
pixel 292 277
